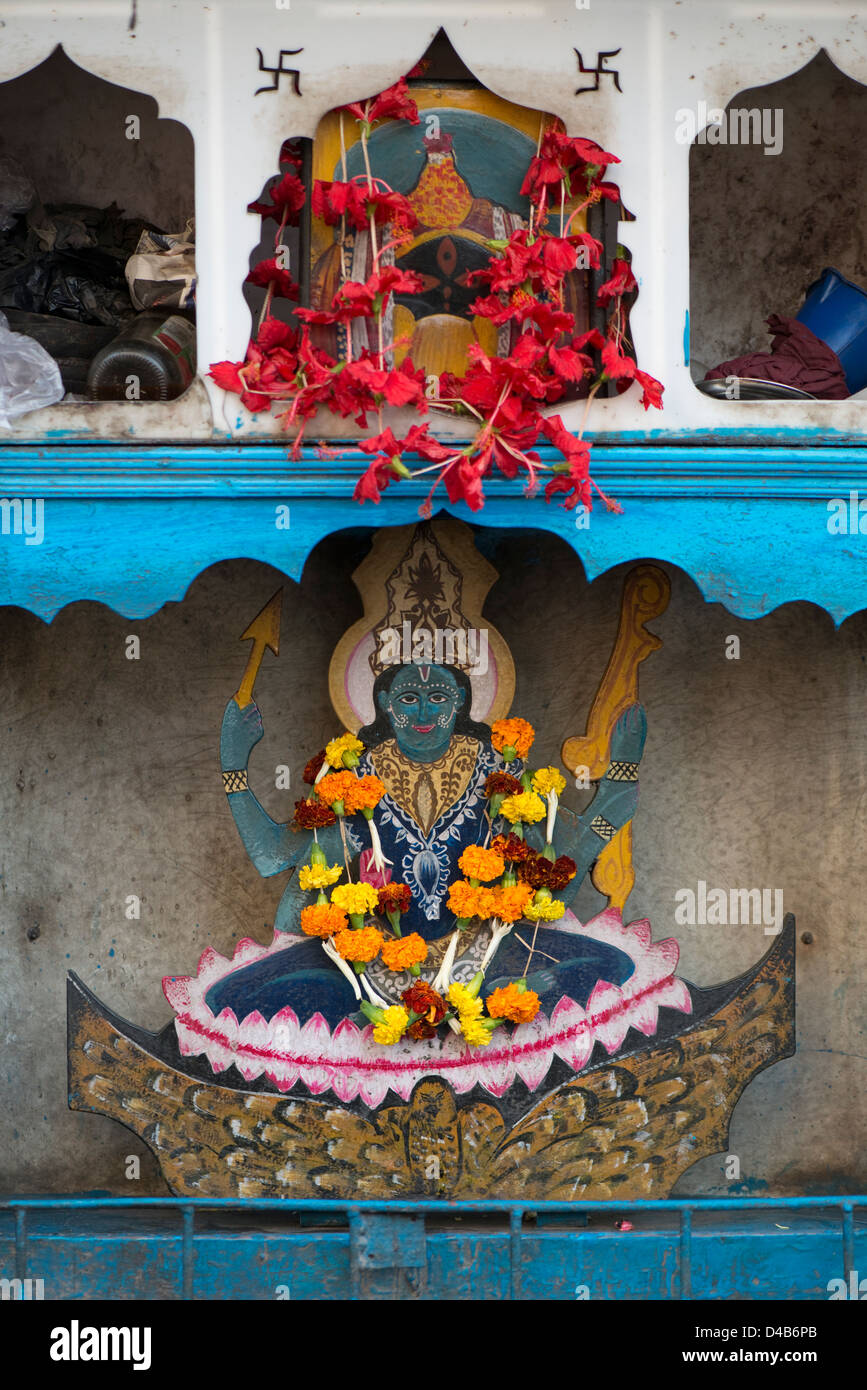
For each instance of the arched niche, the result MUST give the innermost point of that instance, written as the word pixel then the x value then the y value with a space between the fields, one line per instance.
pixel 87 143
pixel 762 226
pixel 488 144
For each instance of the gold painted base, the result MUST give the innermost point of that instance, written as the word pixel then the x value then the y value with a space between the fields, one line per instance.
pixel 626 1128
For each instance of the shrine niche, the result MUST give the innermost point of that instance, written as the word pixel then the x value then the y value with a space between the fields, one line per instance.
pixel 431 1018
pixel 461 170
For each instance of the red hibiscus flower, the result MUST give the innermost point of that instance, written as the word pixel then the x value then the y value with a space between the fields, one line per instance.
pixel 395 103
pixel 652 390
pixel 374 480
pixel 270 273
pixel 274 333
pixel 615 364
pixel 367 296
pixel 558 156
pixel 622 282
pixel 288 195
pixel 332 201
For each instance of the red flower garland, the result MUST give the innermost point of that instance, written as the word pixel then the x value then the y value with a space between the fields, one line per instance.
pixel 503 397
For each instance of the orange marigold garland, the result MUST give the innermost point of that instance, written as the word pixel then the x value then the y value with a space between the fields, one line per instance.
pixel 405 953
pixel 481 864
pixel 333 790
pixel 513 1002
pixel 323 919
pixel 512 737
pixel 510 900
pixel 359 945
pixel 467 901
pixel 490 892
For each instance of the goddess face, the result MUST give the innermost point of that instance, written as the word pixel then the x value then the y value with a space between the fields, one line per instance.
pixel 422 705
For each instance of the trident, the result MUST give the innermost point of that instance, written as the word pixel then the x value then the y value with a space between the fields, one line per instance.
pixel 264 631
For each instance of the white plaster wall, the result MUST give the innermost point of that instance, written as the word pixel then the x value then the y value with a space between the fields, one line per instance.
pixel 199 62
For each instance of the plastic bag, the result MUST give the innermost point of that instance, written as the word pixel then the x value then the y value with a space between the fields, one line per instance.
pixel 17 192
pixel 162 272
pixel 86 285
pixel 29 377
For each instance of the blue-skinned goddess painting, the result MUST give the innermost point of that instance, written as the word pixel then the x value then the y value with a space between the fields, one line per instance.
pixel 425 927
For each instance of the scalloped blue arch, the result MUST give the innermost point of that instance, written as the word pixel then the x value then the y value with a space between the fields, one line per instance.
pixel 132 528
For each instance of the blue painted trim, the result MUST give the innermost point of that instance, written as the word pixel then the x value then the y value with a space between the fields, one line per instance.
pixel 686 337
pixel 660 470
pixel 749 525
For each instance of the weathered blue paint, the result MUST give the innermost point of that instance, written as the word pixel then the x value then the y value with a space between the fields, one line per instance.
pixel 133 528
pixel 686 337
pixel 153 1248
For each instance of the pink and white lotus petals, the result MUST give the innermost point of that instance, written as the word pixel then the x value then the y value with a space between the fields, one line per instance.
pixel 347 1063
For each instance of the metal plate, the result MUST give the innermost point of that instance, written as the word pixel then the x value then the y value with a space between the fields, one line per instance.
pixel 750 388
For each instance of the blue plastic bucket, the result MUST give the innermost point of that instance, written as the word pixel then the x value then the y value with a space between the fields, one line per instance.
pixel 836 311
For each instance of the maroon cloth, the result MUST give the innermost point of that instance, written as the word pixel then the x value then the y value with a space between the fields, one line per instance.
pixel 797 358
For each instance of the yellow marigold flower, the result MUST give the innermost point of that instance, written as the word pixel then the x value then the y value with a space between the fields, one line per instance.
pixel 480 863
pixel 347 743
pixel 404 951
pixel 475 1032
pixel 467 901
pixel 357 898
pixel 525 806
pixel 547 910
pixel 322 919
pixel 362 945
pixel 468 1005
pixel 312 876
pixel 515 1005
pixel 513 733
pixel 391 1026
pixel 510 902
pixel 548 780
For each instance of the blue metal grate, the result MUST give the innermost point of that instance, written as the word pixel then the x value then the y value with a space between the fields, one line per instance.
pixel 360 1214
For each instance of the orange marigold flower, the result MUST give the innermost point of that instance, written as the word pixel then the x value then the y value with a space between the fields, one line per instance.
pixel 322 919
pixel 366 793
pixel 513 733
pixel 510 901
pixel 467 901
pixel 511 1003
pixel 484 864
pixel 404 951
pixel 362 945
pixel 336 786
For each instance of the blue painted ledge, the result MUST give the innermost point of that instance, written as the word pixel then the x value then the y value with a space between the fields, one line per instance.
pixel 749 524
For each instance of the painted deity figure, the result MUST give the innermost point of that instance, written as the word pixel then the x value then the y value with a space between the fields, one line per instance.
pixel 433 759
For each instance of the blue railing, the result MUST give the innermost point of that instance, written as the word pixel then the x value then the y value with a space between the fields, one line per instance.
pixel 360 1213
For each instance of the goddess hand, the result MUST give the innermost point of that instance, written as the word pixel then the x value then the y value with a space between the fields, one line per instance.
pixel 628 735
pixel 241 731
